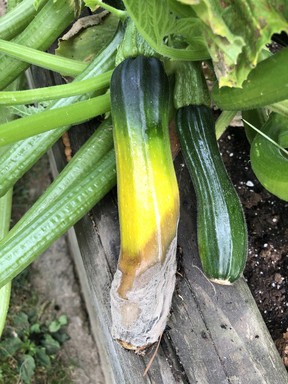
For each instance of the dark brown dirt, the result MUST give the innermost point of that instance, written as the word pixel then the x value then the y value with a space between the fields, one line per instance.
pixel 267 221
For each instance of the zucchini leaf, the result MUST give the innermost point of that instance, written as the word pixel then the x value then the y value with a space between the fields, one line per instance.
pixel 171 36
pixel 235 50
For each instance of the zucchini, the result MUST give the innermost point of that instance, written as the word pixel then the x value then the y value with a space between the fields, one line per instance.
pixel 221 227
pixel 148 202
pixel 269 163
pixel 265 85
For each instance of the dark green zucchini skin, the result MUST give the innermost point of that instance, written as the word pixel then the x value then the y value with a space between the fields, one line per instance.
pixel 221 226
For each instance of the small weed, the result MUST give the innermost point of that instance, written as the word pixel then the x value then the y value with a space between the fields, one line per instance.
pixel 30 345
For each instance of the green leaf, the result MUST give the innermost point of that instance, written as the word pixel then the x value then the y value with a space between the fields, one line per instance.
pixel 42 357
pixel 63 320
pixel 51 345
pixel 161 27
pixel 27 368
pixel 61 336
pixel 9 346
pixel 21 321
pixel 236 32
pixel 55 325
pixel 35 328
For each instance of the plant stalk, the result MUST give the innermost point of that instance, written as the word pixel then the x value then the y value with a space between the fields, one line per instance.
pixel 22 155
pixel 41 32
pixel 18 252
pixel 16 19
pixel 67 67
pixel 45 121
pixel 97 83
pixel 5 214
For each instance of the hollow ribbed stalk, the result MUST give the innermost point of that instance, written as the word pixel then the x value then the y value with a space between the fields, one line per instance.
pixel 65 66
pixel 5 214
pixel 223 122
pixel 85 159
pixel 18 252
pixel 41 122
pixel 14 21
pixel 55 92
pixel 21 156
pixel 41 32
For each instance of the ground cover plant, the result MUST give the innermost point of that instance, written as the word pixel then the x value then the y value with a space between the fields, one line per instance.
pixel 242 75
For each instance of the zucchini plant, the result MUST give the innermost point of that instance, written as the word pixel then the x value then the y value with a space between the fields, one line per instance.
pixel 138 98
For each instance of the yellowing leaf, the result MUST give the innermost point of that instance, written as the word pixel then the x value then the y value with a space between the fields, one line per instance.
pixel 236 32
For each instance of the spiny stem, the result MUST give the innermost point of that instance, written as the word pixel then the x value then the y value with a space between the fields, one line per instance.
pixel 117 12
pixel 55 63
pixel 55 92
pixel 18 252
pixel 223 122
pixel 5 213
pixel 45 121
pixel 40 33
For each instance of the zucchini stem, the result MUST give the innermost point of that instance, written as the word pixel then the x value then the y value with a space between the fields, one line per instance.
pixel 56 92
pixel 45 121
pixel 190 85
pixel 17 252
pixel 40 34
pixel 85 159
pixel 117 12
pixel 21 156
pixel 223 122
pixel 5 214
pixel 67 67
pixel 16 19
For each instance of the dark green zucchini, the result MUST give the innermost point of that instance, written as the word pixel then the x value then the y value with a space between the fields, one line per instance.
pixel 221 227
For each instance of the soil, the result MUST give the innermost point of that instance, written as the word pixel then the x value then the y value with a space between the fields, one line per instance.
pixel 266 271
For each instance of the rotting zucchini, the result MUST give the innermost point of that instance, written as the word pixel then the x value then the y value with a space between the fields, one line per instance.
pixel 148 201
pixel 221 227
pixel 268 162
